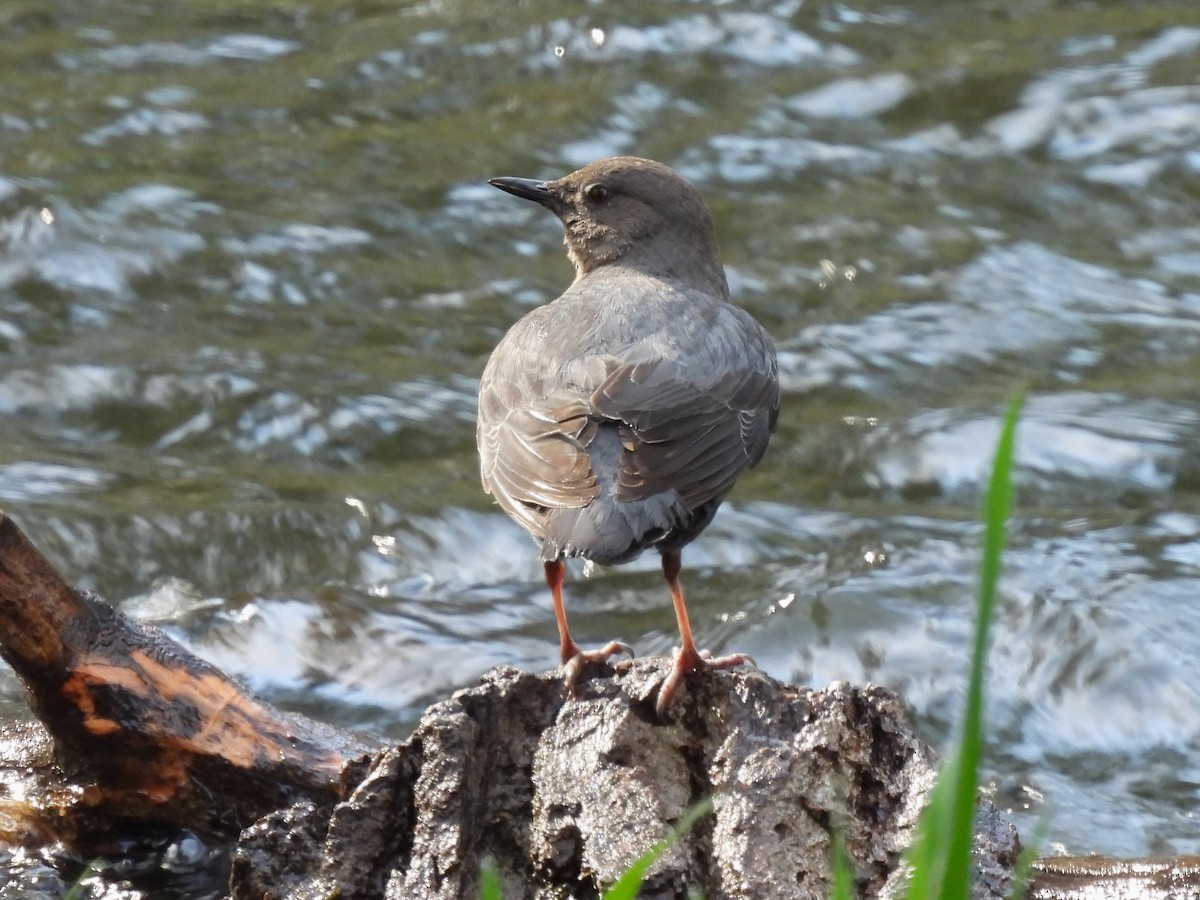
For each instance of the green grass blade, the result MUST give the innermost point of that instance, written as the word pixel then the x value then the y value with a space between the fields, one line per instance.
pixel 1028 857
pixel 630 883
pixel 941 854
pixel 78 891
pixel 927 856
pixel 843 872
pixel 489 880
pixel 957 884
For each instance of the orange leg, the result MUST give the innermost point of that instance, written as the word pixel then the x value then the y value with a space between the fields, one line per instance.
pixel 574 658
pixel 687 658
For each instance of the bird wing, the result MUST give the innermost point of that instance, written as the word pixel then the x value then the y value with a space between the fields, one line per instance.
pixel 688 435
pixel 533 449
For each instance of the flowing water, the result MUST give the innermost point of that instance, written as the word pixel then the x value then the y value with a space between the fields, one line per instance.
pixel 250 270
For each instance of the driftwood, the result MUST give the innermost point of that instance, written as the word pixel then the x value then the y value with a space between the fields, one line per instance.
pixel 156 735
pixel 562 793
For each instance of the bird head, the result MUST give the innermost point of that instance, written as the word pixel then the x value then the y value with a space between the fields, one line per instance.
pixel 628 210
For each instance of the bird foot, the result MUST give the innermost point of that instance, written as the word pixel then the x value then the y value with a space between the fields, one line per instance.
pixel 574 662
pixel 689 660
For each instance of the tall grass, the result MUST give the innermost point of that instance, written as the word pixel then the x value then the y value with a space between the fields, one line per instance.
pixel 941 855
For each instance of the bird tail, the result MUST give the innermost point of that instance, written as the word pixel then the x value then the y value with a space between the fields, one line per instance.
pixel 610 531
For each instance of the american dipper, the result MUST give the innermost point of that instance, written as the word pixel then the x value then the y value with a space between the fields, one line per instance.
pixel 617 417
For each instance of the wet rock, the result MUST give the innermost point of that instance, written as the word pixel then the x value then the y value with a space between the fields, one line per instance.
pixel 565 794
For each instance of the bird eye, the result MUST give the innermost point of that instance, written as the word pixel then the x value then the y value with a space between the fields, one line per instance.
pixel 596 193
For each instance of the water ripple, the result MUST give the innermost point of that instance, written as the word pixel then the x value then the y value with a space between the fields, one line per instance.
pixel 31 482
pixel 248 47
pixel 1109 443
pixel 102 249
pixel 853 98
pixel 1022 298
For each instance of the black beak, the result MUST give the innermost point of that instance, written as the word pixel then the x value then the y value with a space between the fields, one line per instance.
pixel 527 189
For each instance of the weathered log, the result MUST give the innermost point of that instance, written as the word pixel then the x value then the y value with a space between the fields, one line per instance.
pixel 1105 878
pixel 156 734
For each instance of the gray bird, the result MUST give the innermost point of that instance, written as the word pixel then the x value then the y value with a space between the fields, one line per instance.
pixel 617 417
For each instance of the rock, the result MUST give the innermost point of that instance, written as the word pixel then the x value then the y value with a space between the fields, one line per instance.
pixel 564 794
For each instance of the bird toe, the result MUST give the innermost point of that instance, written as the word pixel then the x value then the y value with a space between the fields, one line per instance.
pixel 686 662
pixel 576 662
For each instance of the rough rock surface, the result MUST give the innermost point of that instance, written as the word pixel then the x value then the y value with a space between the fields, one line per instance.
pixel 564 794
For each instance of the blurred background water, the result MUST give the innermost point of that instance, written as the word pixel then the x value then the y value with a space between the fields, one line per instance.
pixel 250 271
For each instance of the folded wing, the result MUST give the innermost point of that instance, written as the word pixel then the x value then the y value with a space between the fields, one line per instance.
pixel 689 427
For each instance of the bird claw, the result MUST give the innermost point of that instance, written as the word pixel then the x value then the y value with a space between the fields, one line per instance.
pixel 727 662
pixel 687 662
pixel 574 665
